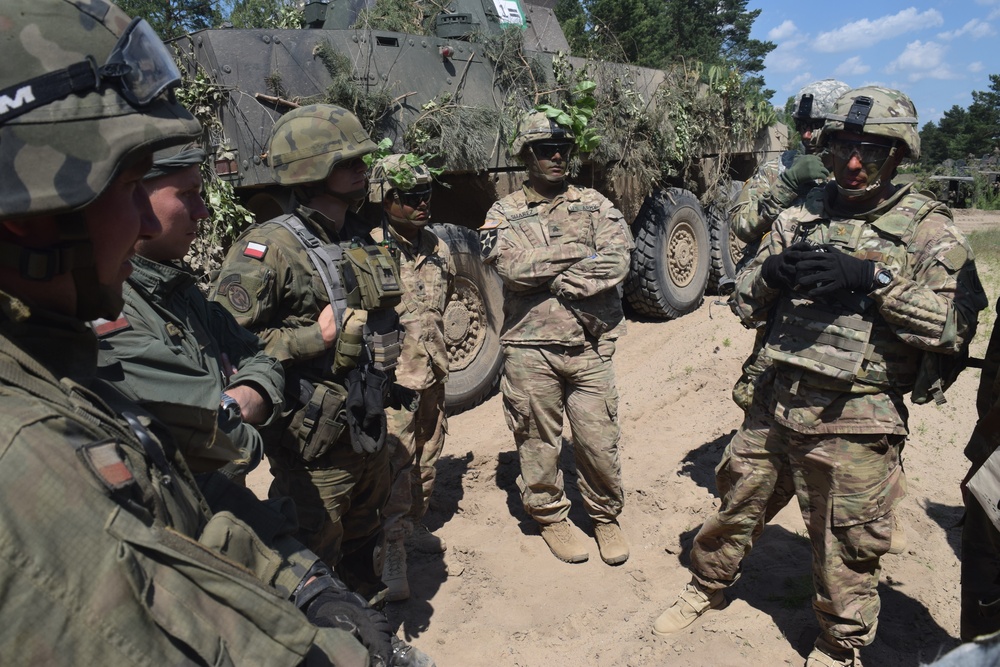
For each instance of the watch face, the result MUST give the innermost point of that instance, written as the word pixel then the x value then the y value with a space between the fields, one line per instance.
pixel 883 278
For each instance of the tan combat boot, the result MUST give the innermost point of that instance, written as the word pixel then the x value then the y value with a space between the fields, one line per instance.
pixel 827 655
pixel 394 571
pixel 611 543
pixel 899 541
pixel 563 542
pixel 426 542
pixel 690 605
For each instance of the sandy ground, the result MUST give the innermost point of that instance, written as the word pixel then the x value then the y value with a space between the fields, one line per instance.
pixel 498 597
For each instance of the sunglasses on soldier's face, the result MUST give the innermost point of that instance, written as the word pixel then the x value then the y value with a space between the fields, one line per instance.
pixel 413 198
pixel 868 153
pixel 546 150
pixel 351 164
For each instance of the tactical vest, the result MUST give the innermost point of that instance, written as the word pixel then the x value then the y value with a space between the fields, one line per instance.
pixel 844 343
pixel 363 277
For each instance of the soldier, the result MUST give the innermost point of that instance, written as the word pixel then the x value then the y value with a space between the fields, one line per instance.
pixel 321 295
pixel 112 555
pixel 980 538
pixel 417 428
pixel 180 356
pixel 561 253
pixel 864 286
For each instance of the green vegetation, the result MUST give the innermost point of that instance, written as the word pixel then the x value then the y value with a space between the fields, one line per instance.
pixel 963 133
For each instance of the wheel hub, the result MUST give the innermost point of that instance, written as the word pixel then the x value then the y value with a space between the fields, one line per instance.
pixel 465 324
pixel 682 254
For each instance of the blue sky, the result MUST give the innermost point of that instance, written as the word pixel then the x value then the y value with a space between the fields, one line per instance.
pixel 936 51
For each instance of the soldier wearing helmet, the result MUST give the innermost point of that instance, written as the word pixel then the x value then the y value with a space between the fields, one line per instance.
pixel 321 295
pixel 402 183
pixel 561 252
pixel 116 543
pixel 866 289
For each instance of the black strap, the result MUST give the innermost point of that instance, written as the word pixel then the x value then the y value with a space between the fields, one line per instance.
pixel 27 95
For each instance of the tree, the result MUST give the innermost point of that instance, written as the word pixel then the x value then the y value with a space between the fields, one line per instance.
pixel 962 133
pixel 173 18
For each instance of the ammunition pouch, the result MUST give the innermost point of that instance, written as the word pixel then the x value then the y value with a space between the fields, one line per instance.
pixel 371 277
pixel 320 423
pixel 823 339
pixel 367 390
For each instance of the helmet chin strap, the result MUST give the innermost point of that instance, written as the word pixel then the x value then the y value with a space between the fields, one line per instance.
pixel 882 175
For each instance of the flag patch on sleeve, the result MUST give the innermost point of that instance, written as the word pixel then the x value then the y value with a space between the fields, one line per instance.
pixel 255 250
pixel 105 461
pixel 107 327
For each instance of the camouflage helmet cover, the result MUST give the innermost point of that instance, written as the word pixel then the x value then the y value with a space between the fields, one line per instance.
pixel 824 94
pixel 892 116
pixel 61 156
pixel 401 171
pixel 536 126
pixel 308 142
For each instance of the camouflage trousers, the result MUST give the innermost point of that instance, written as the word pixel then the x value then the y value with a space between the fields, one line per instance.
pixel 980 608
pixel 540 383
pixel 847 486
pixel 755 374
pixel 415 441
pixel 339 498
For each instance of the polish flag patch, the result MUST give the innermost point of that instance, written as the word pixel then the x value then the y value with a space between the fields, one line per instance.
pixel 255 250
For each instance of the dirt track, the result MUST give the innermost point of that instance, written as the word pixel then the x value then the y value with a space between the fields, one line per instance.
pixel 498 597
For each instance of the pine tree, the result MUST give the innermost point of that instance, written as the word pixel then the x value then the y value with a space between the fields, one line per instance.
pixel 173 18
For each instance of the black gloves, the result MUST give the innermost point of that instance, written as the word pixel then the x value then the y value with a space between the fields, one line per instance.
pixel 805 173
pixel 828 270
pixel 366 393
pixel 779 271
pixel 334 606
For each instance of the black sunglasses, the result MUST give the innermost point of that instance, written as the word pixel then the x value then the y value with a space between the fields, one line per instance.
pixel 414 198
pixel 546 150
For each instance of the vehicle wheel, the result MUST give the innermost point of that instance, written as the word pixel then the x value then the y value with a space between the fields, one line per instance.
pixel 472 322
pixel 671 262
pixel 727 248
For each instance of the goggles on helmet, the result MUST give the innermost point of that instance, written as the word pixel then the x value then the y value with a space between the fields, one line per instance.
pixel 546 150
pixel 868 153
pixel 140 67
pixel 413 198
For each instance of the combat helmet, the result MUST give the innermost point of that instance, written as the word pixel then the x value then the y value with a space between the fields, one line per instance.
pixel 308 142
pixel 81 91
pixel 874 110
pixel 816 99
pixel 536 126
pixel 401 171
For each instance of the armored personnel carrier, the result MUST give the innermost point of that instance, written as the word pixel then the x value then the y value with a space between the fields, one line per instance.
pixel 682 234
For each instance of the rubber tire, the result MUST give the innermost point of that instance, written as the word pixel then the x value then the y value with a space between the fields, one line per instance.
pixel 726 247
pixel 668 217
pixel 469 386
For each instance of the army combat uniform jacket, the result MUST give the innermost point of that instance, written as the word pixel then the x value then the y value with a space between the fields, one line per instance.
pixel 109 553
pixel 561 262
pixel 932 301
pixel 172 347
pixel 756 209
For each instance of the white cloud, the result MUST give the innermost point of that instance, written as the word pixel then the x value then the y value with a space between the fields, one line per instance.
pixel 975 29
pixel 851 67
pixel 976 66
pixel 784 60
pixel 799 81
pixel 782 32
pixel 918 56
pixel 866 32
pixel 995 14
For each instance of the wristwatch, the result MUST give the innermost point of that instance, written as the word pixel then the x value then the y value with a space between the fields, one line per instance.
pixel 229 411
pixel 882 278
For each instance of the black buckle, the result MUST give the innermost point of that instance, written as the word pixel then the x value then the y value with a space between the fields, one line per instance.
pixel 41 264
pixel 858 115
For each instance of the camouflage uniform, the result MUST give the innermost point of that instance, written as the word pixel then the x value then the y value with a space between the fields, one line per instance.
pixel 841 441
pixel 560 262
pixel 417 436
pixel 339 493
pixel 110 552
pixel 172 350
pixel 980 538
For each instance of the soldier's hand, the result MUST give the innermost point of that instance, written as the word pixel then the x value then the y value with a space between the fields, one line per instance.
pixel 405 655
pixel 338 608
pixel 328 324
pixel 806 172
pixel 779 271
pixel 831 271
